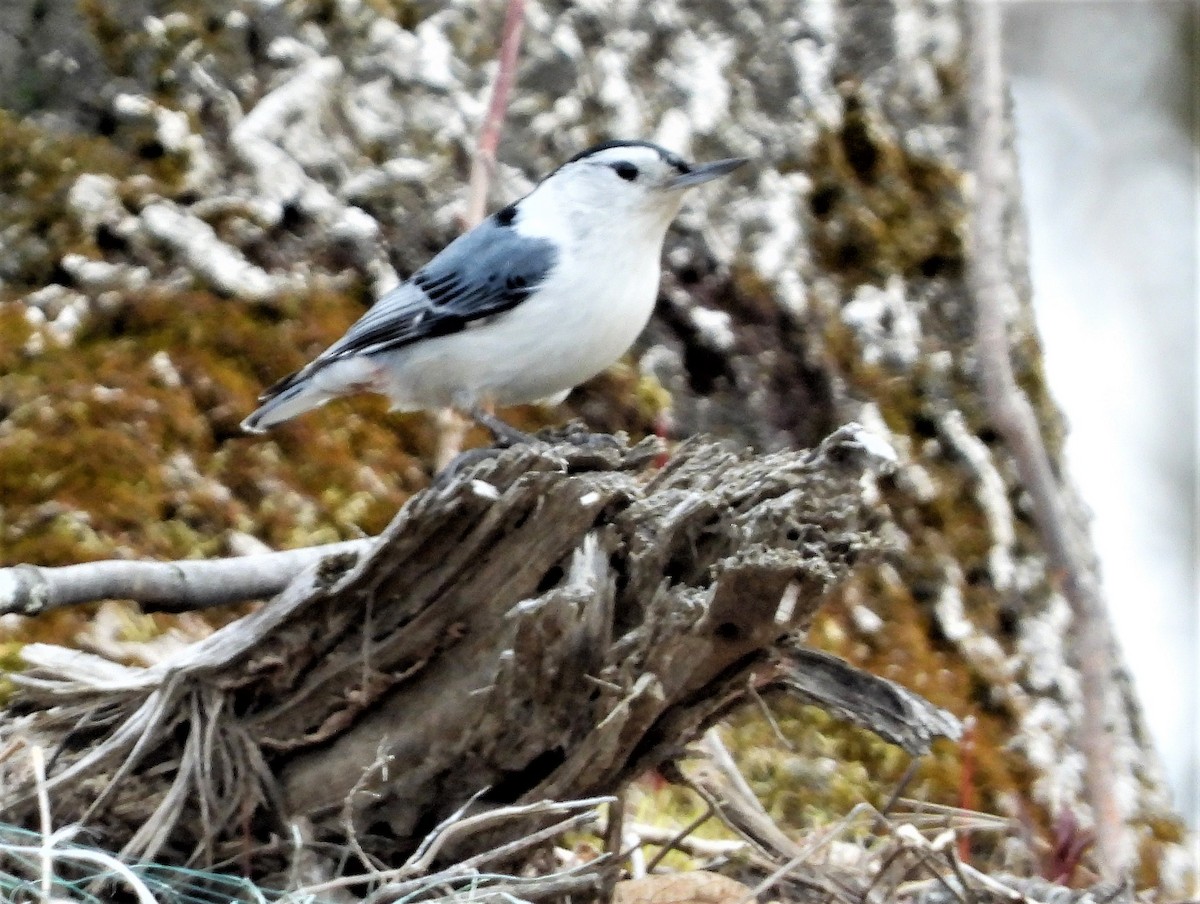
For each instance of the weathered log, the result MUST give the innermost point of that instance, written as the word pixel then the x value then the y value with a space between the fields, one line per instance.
pixel 545 626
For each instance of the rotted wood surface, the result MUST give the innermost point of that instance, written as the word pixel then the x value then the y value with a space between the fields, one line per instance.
pixel 546 625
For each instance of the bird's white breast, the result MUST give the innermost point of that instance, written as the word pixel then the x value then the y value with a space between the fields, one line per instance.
pixel 588 311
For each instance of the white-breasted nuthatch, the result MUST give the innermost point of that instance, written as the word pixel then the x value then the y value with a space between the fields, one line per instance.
pixel 539 297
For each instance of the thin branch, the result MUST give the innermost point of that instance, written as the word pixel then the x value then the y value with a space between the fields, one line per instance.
pixel 803 853
pixel 483 164
pixel 768 716
pixel 956 865
pixel 38 756
pixel 614 834
pixel 1015 420
pixel 582 881
pixel 677 840
pixel 911 770
pixel 464 868
pixel 470 825
pixel 182 586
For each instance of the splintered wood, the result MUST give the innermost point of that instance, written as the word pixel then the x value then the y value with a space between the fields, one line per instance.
pixel 544 626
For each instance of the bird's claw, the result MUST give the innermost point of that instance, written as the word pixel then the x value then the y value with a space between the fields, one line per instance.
pixel 462 461
pixel 504 435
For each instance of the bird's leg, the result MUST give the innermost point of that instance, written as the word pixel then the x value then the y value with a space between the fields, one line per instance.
pixel 451 430
pixel 504 434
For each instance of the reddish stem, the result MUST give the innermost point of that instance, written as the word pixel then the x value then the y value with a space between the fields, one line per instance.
pixel 966 783
pixel 484 162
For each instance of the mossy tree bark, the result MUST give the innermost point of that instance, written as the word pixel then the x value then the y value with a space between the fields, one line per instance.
pixel 222 192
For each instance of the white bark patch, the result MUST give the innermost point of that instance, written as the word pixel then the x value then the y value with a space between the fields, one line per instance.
pixel 990 492
pixel 217 264
pixel 886 325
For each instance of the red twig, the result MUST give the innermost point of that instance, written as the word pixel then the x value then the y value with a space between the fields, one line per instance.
pixel 484 163
pixel 966 783
pixel 1015 420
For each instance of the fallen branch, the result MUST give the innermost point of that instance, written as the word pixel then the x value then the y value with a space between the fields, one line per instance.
pixel 182 586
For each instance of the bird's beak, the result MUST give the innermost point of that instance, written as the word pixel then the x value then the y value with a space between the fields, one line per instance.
pixel 706 172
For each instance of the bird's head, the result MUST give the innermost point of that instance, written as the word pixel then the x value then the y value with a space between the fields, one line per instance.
pixel 637 181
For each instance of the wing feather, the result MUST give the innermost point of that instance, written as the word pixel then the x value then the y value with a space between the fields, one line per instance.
pixel 480 275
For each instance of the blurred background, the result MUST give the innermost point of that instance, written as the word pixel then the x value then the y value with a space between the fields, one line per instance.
pixel 1106 111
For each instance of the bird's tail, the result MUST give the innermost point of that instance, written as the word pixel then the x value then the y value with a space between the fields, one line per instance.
pixel 293 397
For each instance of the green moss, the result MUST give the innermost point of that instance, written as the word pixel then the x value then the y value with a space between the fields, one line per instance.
pixel 37 169
pixel 879 210
pixel 136 465
pixel 10 661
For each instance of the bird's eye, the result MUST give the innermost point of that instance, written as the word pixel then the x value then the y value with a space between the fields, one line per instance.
pixel 626 171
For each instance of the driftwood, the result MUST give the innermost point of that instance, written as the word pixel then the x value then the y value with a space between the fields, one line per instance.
pixel 545 626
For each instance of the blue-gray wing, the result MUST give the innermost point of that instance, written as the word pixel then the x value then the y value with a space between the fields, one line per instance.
pixel 481 274
pixel 485 272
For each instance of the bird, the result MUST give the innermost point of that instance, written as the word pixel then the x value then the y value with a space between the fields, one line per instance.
pixel 542 295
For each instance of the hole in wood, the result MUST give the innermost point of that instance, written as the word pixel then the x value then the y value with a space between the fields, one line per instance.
pixel 727 631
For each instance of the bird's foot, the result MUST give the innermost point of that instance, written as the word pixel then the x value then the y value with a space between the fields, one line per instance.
pixel 576 433
pixel 461 462
pixel 596 442
pixel 503 434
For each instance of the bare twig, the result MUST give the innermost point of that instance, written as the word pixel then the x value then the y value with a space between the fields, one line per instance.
pixel 677 840
pixel 740 797
pixel 951 817
pixel 484 162
pixel 380 764
pixel 956 866
pixel 182 586
pixel 911 770
pixel 427 849
pixel 614 834
pixel 1015 420
pixel 767 715
pixel 466 869
pixel 38 757
pixel 930 866
pixel 467 826
pixel 995 886
pixel 803 853
pixel 581 880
